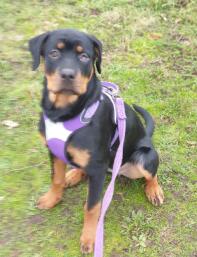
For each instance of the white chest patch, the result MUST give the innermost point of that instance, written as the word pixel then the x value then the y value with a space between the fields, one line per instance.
pixel 56 130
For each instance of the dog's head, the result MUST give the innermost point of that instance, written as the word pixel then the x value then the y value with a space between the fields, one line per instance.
pixel 70 58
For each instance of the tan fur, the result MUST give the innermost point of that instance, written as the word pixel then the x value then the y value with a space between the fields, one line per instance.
pixel 134 171
pixel 52 97
pixel 89 228
pixel 62 99
pixel 79 156
pixel 60 45
pixel 79 49
pixel 154 192
pixel 73 177
pixel 54 81
pixel 82 82
pixel 54 195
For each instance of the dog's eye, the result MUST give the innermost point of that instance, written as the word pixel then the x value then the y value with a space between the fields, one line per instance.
pixel 84 57
pixel 54 54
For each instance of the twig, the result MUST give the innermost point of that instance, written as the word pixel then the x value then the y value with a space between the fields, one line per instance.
pixel 27 167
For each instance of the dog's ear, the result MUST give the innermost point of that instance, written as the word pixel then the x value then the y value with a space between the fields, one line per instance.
pixel 98 52
pixel 36 48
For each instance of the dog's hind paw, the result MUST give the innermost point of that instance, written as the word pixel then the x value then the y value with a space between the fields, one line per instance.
pixel 73 177
pixel 154 192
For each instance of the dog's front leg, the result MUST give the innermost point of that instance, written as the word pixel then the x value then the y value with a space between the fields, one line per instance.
pixel 91 213
pixel 54 195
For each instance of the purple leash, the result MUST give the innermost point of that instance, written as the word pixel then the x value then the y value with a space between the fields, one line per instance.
pixel 98 248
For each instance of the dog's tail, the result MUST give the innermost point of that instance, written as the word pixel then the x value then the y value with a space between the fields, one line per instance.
pixel 150 126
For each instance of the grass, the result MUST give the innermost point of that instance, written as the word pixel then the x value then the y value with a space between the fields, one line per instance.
pixel 150 50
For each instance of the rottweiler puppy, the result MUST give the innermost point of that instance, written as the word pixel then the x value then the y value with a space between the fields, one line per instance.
pixel 71 62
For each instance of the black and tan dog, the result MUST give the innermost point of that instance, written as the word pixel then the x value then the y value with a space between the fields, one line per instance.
pixel 71 59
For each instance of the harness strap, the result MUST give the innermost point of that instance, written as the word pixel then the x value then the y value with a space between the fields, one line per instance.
pixel 98 249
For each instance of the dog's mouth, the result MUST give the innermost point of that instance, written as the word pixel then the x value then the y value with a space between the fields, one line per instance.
pixel 58 86
pixel 68 91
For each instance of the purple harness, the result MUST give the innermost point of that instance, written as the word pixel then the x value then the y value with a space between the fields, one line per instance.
pixel 57 135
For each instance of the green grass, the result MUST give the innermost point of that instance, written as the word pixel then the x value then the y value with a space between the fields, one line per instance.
pixel 150 50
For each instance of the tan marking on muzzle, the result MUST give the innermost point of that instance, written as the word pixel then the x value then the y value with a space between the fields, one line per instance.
pixel 53 81
pixel 60 100
pixel 82 81
pixel 63 99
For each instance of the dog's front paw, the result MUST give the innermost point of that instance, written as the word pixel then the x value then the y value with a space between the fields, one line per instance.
pixel 87 244
pixel 49 200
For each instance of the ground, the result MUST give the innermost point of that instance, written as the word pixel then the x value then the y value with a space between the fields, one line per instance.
pixel 150 50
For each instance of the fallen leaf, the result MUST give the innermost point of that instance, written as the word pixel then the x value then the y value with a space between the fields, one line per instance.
pixel 10 124
pixel 155 36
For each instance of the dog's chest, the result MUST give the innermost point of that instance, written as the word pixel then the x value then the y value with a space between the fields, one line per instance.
pixel 58 133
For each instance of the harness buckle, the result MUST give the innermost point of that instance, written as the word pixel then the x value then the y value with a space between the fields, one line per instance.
pixel 111 89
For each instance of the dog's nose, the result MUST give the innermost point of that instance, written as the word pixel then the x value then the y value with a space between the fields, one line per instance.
pixel 67 74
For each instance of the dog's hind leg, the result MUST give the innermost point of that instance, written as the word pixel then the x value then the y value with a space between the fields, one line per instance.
pixel 144 164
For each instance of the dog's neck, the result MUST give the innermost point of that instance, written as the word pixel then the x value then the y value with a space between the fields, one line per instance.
pixel 62 114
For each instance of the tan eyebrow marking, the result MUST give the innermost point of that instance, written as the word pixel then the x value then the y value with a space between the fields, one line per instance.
pixel 60 45
pixel 79 49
